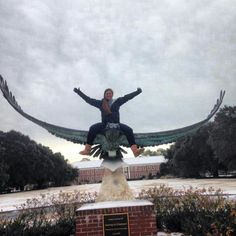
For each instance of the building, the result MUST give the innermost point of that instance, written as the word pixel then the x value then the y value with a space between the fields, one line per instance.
pixel 133 168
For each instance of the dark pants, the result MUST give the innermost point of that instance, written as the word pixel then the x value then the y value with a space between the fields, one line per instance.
pixel 99 127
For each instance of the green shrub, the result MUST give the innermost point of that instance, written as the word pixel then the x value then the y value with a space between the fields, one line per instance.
pixel 49 215
pixel 193 211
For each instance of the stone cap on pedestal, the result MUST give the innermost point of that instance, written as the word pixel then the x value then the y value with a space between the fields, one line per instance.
pixel 114 204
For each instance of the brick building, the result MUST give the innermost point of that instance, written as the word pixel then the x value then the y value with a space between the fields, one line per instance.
pixel 133 168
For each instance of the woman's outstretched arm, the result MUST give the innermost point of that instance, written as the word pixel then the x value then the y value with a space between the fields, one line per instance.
pixel 91 101
pixel 129 96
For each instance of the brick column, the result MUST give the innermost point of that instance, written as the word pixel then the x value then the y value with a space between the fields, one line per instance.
pixel 131 218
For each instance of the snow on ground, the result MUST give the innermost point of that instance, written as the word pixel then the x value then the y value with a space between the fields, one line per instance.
pixel 9 202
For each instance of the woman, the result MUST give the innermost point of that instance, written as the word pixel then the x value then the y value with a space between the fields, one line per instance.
pixel 109 108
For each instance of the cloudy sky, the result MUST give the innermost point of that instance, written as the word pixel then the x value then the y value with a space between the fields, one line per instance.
pixel 181 53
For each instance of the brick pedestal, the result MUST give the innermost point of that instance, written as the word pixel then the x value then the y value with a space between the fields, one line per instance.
pixel 116 218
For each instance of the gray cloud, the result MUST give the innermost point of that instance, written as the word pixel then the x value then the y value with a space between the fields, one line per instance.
pixel 180 52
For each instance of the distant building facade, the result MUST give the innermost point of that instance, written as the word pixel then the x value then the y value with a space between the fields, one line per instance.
pixel 134 168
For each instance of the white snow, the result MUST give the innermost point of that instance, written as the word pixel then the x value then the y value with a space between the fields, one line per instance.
pixel 8 202
pixel 111 204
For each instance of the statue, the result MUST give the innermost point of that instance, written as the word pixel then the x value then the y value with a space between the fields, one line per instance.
pixel 108 144
pixel 107 141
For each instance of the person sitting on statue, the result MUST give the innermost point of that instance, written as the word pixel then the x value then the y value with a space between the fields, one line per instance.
pixel 109 108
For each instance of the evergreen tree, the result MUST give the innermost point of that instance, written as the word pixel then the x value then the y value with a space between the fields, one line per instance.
pixel 210 149
pixel 23 162
pixel 223 138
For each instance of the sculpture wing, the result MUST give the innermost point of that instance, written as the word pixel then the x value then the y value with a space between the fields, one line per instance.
pixel 79 136
pixel 157 138
pixel 76 136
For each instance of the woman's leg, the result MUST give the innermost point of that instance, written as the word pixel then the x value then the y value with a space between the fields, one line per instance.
pixel 128 132
pixel 130 137
pixel 93 131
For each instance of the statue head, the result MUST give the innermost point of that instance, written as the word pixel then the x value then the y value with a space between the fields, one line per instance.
pixel 108 94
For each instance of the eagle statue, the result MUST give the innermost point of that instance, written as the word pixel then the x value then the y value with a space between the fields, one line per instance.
pixel 108 144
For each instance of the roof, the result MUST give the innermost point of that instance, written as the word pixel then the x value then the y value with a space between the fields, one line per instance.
pixel 147 160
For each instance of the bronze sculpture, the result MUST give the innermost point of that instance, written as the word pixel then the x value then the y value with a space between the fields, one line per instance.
pixel 108 146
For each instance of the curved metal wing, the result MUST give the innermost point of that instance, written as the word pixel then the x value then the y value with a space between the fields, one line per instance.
pixel 79 136
pixel 76 136
pixel 164 137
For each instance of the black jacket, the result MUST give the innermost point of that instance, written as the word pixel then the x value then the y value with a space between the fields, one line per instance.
pixel 114 117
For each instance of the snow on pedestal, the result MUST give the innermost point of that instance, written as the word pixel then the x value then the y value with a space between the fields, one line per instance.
pixel 124 218
pixel 115 211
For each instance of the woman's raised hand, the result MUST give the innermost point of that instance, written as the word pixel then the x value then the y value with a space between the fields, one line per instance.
pixel 139 90
pixel 76 90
